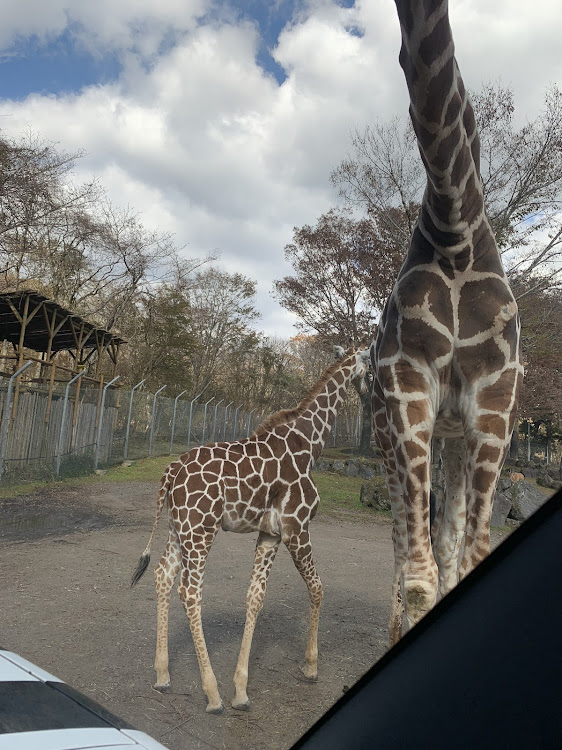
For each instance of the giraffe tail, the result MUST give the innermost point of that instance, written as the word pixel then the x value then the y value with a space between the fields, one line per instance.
pixel 145 557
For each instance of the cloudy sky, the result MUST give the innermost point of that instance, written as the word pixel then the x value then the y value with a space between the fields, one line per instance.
pixel 221 121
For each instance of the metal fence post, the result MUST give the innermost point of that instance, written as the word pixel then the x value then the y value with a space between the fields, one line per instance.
pixel 174 420
pixel 152 419
pixel 249 422
pixel 190 416
pixel 235 422
pixel 6 417
pixel 126 449
pixel 63 419
pixel 226 408
pixel 215 420
pixel 205 420
pixel 100 423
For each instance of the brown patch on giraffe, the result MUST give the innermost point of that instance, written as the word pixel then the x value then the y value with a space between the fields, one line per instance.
pixel 413 450
pixel 497 397
pixel 410 380
pixel 510 336
pixel 488 453
pixel 432 45
pixel 462 259
pixel 491 424
pixel 480 359
pixel 393 414
pixel 453 110
pixel 385 377
pixel 421 341
pixel 483 480
pixel 486 258
pixel 480 302
pixel 424 287
pixel 471 208
pixel 421 251
pixel 447 267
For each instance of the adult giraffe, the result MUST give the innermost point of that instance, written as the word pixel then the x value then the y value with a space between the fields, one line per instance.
pixel 259 484
pixel 446 357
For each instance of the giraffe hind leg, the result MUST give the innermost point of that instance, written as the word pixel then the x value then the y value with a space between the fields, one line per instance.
pixel 195 545
pixel 449 531
pixel 165 575
pixel 301 551
pixel 266 549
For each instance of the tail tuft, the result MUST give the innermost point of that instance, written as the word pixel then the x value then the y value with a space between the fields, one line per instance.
pixel 141 567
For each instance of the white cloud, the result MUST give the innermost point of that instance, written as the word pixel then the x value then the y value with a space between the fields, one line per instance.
pixel 206 144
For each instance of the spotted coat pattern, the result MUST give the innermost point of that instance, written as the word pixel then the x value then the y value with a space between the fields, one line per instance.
pixel 260 484
pixel 446 357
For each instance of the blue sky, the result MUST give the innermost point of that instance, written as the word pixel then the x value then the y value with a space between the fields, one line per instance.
pixel 221 122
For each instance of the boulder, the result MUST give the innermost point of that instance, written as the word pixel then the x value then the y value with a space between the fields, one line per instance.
pixel 525 500
pixel 500 509
pixel 374 494
pixel 504 483
pixel 351 469
pixel 338 466
pixel 366 472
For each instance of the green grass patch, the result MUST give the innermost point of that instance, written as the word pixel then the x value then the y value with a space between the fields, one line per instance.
pixel 338 492
pixel 143 470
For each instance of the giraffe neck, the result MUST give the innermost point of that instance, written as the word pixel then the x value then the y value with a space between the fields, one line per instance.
pixel 443 119
pixel 317 421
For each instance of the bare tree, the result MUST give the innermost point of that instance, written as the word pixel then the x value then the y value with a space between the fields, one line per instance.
pixel 521 176
pixel 344 269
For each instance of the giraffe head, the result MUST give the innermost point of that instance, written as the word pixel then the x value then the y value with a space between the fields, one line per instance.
pixel 358 358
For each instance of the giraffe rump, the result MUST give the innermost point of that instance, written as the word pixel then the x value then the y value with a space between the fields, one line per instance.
pixel 141 568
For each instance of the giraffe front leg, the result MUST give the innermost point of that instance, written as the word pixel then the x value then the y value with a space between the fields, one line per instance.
pixel 301 551
pixel 165 575
pixel 266 549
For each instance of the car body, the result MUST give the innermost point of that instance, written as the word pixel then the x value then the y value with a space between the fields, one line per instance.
pixel 40 712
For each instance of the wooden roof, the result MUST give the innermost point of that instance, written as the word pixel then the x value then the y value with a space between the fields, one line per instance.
pixel 46 321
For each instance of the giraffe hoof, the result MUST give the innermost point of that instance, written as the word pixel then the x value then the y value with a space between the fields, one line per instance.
pixel 245 706
pixel 167 688
pixel 307 676
pixel 216 710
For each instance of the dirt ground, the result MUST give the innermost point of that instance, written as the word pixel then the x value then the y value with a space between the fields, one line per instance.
pixel 67 556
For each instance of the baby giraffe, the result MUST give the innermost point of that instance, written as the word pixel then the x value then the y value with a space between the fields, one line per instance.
pixel 259 484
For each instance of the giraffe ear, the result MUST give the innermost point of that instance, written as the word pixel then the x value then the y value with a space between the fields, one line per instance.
pixel 339 351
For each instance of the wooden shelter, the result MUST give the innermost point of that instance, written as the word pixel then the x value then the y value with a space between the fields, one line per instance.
pixel 35 325
pixel 28 320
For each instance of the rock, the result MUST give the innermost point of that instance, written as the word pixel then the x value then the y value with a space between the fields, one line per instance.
pixel 525 499
pixel 351 469
pixel 500 509
pixel 504 483
pixel 366 472
pixel 545 480
pixel 127 463
pixel 374 494
pixel 323 465
pixel 100 472
pixel 338 466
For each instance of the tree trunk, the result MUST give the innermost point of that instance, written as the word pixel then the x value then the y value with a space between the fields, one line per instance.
pixel 514 443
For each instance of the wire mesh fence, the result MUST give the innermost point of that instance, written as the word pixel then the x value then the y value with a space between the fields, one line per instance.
pixel 76 427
